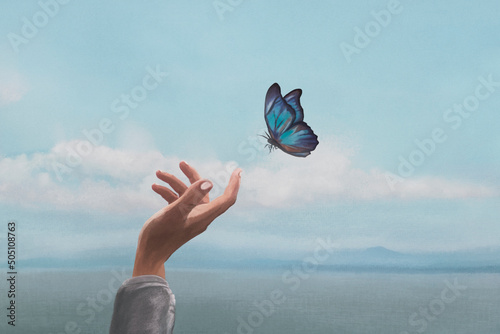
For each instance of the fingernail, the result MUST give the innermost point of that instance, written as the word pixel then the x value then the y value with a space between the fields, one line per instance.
pixel 240 173
pixel 186 163
pixel 206 185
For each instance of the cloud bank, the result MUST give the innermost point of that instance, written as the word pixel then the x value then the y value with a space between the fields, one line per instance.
pixel 119 181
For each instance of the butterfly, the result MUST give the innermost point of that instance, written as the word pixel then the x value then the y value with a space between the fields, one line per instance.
pixel 285 123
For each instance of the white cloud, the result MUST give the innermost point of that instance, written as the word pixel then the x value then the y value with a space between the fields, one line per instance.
pixel 12 88
pixel 106 180
pixel 119 181
pixel 328 174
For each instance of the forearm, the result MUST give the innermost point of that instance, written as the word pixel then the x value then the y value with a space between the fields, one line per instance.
pixel 152 252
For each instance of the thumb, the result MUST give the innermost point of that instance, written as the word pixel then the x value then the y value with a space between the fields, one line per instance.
pixel 193 196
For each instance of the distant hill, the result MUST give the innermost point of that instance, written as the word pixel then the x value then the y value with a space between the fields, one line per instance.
pixel 369 259
pixel 383 259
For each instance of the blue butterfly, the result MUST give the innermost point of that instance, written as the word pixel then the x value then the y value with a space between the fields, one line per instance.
pixel 285 123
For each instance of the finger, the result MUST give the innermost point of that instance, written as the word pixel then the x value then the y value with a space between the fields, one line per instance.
pixel 193 196
pixel 220 205
pixel 166 193
pixel 176 184
pixel 233 187
pixel 193 176
pixel 190 172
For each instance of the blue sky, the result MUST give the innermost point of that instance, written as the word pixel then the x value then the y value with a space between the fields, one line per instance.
pixel 368 112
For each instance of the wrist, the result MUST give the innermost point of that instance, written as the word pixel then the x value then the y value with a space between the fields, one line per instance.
pixel 148 266
pixel 149 260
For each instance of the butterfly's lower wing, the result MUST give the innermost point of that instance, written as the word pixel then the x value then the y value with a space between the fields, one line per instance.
pixel 299 140
pixel 278 114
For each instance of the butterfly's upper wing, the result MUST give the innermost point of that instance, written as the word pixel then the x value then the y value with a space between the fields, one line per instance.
pixel 278 114
pixel 299 140
pixel 293 100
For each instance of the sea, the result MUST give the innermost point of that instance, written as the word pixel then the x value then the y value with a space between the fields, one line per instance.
pixel 228 301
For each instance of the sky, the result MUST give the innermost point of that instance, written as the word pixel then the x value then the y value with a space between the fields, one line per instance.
pixel 403 95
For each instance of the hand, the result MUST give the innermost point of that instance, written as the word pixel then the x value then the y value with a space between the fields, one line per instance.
pixel 188 213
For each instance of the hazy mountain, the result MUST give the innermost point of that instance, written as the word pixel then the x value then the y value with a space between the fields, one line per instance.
pixel 383 259
pixel 370 259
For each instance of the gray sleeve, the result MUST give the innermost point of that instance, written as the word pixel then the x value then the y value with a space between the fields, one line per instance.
pixel 143 305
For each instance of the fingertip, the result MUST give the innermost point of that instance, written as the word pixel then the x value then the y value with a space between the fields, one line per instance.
pixel 236 174
pixel 206 185
pixel 185 167
pixel 234 184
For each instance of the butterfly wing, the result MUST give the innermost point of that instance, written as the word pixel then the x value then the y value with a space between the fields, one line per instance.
pixel 299 140
pixel 293 100
pixel 278 114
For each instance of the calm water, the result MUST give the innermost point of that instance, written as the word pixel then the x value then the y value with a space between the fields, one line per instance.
pixel 221 301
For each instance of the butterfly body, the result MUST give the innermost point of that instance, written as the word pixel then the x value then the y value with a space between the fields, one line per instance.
pixel 272 144
pixel 285 123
